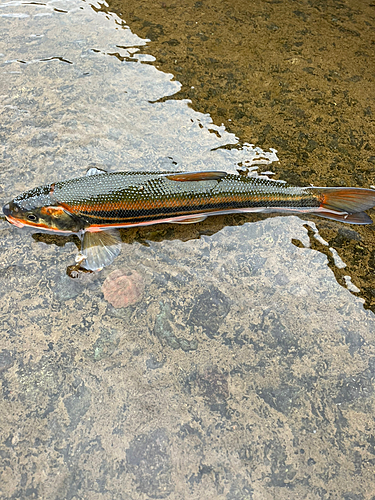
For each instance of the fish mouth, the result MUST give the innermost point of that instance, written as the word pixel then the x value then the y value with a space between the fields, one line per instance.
pixel 14 221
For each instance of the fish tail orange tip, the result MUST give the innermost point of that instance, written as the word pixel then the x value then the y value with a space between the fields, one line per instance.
pixel 350 200
pixel 345 204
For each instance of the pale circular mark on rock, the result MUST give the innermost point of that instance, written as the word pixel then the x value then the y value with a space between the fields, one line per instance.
pixel 123 288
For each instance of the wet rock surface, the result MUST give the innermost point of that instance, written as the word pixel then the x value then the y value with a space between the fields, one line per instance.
pixel 278 403
pixel 243 371
pixel 148 459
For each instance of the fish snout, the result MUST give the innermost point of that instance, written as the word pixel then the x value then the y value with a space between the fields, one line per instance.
pixel 6 210
pixel 11 209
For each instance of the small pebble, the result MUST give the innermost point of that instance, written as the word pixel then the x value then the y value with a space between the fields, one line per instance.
pixel 123 288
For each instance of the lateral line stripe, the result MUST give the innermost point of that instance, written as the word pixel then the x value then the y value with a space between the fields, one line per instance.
pixel 184 202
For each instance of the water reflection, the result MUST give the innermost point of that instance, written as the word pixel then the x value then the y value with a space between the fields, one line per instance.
pixel 240 370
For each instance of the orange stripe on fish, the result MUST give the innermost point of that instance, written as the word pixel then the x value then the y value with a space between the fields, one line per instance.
pixel 52 211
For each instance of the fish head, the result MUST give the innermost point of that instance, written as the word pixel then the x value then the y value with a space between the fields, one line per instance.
pixel 36 208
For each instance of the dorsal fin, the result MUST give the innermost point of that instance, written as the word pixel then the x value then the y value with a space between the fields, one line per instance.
pixel 95 171
pixel 212 175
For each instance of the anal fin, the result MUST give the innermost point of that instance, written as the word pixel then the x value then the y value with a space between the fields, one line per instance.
pixel 100 248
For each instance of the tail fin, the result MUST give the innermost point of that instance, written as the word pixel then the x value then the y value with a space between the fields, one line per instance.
pixel 346 204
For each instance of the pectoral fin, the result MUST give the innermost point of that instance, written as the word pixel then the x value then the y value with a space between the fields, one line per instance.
pixel 99 249
pixel 212 175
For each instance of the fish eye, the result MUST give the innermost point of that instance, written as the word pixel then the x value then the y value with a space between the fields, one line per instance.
pixel 32 217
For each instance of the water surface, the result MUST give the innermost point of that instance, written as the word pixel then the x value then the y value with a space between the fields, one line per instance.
pixel 243 369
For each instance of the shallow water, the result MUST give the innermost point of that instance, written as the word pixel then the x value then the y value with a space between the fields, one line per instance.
pixel 241 363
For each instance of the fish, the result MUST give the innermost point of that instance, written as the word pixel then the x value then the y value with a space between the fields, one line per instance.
pixel 96 206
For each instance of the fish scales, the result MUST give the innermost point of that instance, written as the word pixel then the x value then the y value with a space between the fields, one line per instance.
pixel 123 196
